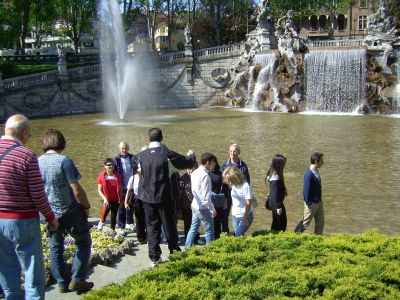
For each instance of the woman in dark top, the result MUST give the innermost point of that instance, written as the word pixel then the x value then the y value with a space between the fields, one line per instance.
pixel 277 192
pixel 218 188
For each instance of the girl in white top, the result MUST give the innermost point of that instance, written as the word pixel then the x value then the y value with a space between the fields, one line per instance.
pixel 243 204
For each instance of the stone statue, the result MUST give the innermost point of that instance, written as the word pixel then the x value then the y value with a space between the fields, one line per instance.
pixel 60 52
pixel 264 16
pixel 380 22
pixel 62 63
pixel 289 41
pixel 188 35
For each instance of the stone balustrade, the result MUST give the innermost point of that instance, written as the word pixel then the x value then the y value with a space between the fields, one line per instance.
pixel 49 77
pixel 30 80
pixel 43 59
pixel 84 71
pixel 336 43
pixel 225 49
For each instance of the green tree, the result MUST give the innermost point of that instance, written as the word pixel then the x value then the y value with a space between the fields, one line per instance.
pixel 42 19
pixel 9 25
pixel 76 17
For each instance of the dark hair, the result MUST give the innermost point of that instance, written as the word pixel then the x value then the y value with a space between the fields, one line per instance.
pixel 53 140
pixel 155 135
pixel 108 160
pixel 277 165
pixel 316 157
pixel 205 157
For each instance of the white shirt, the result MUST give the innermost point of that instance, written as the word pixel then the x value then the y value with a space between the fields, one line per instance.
pixel 126 168
pixel 133 183
pixel 239 194
pixel 201 189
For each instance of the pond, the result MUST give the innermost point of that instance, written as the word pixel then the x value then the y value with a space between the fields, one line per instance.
pixel 360 178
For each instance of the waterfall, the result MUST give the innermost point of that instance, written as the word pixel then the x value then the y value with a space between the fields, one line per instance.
pixel 266 62
pixel 397 92
pixel 335 80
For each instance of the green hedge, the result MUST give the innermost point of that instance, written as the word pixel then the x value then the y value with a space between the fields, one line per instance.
pixel 11 69
pixel 279 266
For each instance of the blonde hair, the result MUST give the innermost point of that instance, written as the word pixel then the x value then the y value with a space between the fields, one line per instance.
pixel 233 175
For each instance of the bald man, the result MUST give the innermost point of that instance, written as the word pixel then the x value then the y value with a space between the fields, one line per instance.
pixel 22 197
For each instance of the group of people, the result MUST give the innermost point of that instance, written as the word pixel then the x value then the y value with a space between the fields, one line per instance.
pixel 146 185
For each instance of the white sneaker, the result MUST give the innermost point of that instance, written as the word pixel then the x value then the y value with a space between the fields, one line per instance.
pixel 121 231
pixel 155 263
pixel 131 227
pixel 100 225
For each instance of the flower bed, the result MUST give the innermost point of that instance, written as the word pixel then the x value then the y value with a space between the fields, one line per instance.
pixel 106 247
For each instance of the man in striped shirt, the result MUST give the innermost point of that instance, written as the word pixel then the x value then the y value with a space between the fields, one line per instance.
pixel 22 196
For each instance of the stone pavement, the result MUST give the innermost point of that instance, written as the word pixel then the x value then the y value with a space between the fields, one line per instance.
pixel 117 272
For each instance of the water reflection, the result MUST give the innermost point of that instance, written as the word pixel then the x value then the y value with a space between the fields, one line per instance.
pixel 360 177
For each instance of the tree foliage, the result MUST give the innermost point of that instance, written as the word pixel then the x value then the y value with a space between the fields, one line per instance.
pixel 76 17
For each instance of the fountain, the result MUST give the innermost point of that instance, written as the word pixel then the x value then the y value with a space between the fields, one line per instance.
pixel 299 78
pixel 335 80
pixel 126 79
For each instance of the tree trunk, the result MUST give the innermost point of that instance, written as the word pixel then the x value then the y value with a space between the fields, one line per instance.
pixel 24 25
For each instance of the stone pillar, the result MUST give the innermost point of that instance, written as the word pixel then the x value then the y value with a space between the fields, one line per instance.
pixel 189 62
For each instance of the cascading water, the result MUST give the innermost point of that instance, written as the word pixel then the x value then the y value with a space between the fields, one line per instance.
pixel 335 80
pixel 397 93
pixel 267 62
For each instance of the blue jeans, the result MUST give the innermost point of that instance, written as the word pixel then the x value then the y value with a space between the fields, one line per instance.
pixel 21 249
pixel 205 218
pixel 76 225
pixel 238 225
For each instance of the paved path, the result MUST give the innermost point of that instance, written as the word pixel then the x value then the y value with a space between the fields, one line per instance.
pixel 117 273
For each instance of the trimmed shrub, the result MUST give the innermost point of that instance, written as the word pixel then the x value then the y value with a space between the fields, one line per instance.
pixel 279 266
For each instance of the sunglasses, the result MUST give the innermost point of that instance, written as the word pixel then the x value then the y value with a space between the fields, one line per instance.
pixel 109 165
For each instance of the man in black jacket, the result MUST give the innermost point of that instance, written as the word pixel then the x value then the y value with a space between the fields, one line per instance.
pixel 156 194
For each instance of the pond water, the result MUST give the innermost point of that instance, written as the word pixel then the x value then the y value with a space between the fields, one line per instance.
pixel 360 178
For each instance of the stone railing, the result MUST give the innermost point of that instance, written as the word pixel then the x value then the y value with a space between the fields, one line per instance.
pixel 336 43
pixel 49 77
pixel 219 50
pixel 41 59
pixel 30 80
pixel 84 71
pixel 170 57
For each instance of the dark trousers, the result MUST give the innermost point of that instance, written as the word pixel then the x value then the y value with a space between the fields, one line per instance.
pixel 157 215
pixel 279 222
pixel 125 216
pixel 140 218
pixel 113 207
pixel 225 218
pixel 218 222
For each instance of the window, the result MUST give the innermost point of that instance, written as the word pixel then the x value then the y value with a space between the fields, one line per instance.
pixel 362 22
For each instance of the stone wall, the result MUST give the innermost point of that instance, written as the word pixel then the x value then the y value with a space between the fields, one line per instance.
pixel 185 82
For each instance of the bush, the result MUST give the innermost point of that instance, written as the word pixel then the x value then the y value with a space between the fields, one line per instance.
pixel 8 69
pixel 283 265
